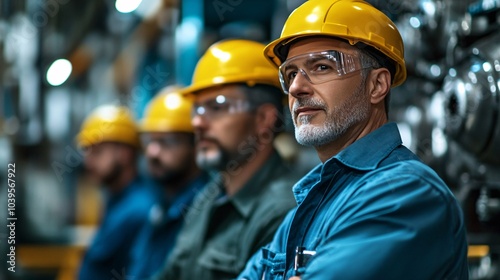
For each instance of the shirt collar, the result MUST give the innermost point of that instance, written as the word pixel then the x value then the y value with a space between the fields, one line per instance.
pixel 178 206
pixel 245 198
pixel 364 154
pixel 113 198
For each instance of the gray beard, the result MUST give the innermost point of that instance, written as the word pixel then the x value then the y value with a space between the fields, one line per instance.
pixel 224 160
pixel 338 120
pixel 216 163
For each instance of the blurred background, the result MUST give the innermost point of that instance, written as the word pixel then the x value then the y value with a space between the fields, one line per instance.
pixel 59 59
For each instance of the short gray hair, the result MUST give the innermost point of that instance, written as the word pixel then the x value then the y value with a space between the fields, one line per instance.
pixel 368 61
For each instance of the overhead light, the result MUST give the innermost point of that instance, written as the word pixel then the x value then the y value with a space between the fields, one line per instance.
pixel 59 72
pixel 127 6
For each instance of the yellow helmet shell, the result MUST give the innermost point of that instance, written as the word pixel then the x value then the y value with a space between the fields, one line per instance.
pixel 352 20
pixel 169 111
pixel 108 123
pixel 233 61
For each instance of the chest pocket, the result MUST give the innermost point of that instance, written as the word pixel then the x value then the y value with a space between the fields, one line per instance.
pixel 274 264
pixel 221 261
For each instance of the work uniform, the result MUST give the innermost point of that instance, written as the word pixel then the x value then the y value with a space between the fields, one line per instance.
pixel 221 233
pixel 373 211
pixel 125 215
pixel 157 239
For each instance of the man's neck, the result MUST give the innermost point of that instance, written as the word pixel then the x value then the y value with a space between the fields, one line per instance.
pixel 237 177
pixel 355 133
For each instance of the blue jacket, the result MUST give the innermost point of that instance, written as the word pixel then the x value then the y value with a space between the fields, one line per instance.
pixel 158 237
pixel 373 211
pixel 125 214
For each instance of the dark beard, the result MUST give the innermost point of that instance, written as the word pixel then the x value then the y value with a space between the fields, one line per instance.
pixel 227 161
pixel 113 175
pixel 170 176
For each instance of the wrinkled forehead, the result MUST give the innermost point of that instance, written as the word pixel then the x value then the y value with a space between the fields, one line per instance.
pixel 318 44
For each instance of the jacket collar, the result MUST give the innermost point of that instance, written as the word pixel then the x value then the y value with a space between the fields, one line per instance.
pixel 245 199
pixel 364 154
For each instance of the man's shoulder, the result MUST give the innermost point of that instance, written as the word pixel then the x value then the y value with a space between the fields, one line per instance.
pixel 135 205
pixel 277 197
pixel 411 175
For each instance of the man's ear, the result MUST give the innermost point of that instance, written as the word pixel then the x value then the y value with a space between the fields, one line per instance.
pixel 267 115
pixel 379 84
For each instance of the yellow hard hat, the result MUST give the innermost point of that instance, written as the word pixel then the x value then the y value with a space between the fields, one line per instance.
pixel 108 123
pixel 169 111
pixel 353 20
pixel 233 61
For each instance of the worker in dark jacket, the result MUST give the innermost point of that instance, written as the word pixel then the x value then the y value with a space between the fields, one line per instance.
pixel 168 141
pixel 110 143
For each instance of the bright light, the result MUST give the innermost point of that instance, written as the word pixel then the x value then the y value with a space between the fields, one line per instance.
pixel 452 72
pixel 127 6
pixel 189 30
pixel 439 142
pixel 222 55
pixel 220 99
pixel 59 72
pixel 413 115
pixel 414 22
pixel 429 8
pixel 487 67
pixel 312 18
pixel 107 112
pixel 435 70
pixel 172 101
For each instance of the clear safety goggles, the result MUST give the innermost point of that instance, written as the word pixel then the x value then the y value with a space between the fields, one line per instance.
pixel 221 105
pixel 164 141
pixel 319 67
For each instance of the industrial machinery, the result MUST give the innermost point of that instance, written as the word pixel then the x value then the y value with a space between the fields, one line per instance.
pixel 452 113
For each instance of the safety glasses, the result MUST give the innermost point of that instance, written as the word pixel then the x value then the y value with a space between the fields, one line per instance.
pixel 164 141
pixel 319 67
pixel 219 106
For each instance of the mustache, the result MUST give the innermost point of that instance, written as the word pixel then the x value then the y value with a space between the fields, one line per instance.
pixel 203 137
pixel 309 102
pixel 155 162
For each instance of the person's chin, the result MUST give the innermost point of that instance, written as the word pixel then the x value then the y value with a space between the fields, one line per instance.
pixel 208 161
pixel 155 171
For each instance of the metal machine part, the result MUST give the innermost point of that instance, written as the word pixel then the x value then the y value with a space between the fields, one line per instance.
pixel 472 102
pixel 451 103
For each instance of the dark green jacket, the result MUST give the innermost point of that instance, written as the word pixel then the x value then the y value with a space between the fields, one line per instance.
pixel 221 233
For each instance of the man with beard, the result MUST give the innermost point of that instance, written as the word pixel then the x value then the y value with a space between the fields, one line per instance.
pixel 372 209
pixel 237 113
pixel 168 141
pixel 110 143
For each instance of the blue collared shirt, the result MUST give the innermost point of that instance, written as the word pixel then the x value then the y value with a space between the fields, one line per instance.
pixel 125 214
pixel 373 211
pixel 156 240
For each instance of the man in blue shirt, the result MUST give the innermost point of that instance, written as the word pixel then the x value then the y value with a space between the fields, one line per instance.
pixel 168 140
pixel 371 210
pixel 110 143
